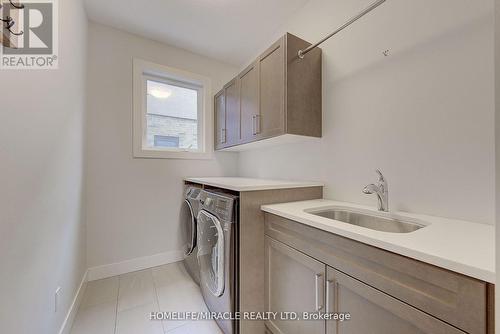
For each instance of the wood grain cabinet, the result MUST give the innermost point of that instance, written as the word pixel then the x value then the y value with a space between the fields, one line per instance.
pixel 231 93
pixel 309 270
pixel 220 120
pixel 278 96
pixel 227 116
pixel 249 103
pixel 271 116
pixel 372 311
pixel 294 283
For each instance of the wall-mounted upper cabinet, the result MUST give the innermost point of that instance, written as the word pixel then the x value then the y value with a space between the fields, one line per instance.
pixel 227 115
pixel 231 93
pixel 220 120
pixel 249 102
pixel 276 99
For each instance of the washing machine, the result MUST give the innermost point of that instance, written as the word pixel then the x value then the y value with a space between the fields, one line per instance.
pixel 189 213
pixel 218 254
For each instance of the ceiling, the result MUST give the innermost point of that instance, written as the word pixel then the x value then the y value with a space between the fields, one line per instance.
pixel 231 31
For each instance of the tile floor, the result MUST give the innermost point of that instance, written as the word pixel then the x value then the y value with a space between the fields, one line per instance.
pixel 122 304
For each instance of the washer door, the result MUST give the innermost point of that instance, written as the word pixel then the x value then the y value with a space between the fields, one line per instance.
pixel 189 227
pixel 211 252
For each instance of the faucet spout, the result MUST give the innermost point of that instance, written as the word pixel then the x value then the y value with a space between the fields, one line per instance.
pixel 381 190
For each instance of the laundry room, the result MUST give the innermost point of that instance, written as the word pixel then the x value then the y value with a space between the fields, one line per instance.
pixel 249 166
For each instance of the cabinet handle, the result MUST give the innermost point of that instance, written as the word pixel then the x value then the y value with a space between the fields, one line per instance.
pixel 328 291
pixel 253 125
pixel 318 293
pixel 257 124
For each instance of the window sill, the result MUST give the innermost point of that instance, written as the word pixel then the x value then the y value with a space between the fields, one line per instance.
pixel 185 155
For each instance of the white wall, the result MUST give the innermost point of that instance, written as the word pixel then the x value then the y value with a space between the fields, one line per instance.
pixel 424 115
pixel 133 204
pixel 42 232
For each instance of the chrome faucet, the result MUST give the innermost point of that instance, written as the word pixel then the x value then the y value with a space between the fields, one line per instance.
pixel 381 190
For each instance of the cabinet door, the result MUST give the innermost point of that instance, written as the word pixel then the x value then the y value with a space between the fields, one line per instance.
pixel 249 102
pixel 271 121
pixel 373 311
pixel 220 120
pixel 294 283
pixel 231 91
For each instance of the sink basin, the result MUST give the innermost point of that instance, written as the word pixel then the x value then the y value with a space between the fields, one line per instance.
pixel 369 221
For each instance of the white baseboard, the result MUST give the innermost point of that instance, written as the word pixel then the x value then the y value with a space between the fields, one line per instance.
pixel 70 316
pixel 115 269
pixel 140 263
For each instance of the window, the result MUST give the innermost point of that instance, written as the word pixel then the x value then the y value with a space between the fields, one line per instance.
pixel 172 113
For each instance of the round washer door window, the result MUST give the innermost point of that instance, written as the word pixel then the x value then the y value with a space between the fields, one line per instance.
pixel 211 252
pixel 188 227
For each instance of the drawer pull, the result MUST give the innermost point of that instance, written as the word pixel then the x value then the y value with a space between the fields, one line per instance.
pixel 328 292
pixel 318 293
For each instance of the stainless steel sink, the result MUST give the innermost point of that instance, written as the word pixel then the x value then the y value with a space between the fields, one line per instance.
pixel 372 222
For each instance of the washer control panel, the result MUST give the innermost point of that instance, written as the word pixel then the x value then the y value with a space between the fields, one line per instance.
pixel 219 204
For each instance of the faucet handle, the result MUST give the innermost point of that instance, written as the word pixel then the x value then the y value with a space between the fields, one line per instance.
pixel 381 177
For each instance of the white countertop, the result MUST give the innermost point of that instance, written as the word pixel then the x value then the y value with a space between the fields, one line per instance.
pixel 248 184
pixel 460 246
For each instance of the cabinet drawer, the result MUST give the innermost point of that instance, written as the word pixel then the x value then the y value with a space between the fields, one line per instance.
pixel 459 300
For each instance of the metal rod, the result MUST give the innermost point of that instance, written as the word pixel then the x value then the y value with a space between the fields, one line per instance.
pixel 374 5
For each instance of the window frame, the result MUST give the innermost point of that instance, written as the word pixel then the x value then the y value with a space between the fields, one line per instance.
pixel 144 71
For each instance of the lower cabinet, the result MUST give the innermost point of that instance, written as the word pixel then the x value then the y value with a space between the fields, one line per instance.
pixel 372 311
pixel 294 283
pixel 298 283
